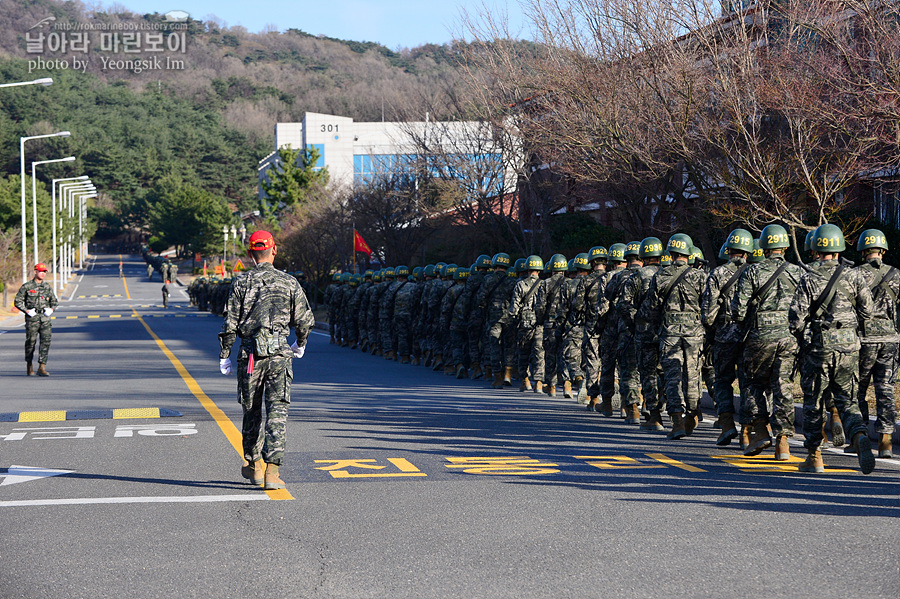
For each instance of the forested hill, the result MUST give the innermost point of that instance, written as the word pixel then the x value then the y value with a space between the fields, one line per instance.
pixel 207 120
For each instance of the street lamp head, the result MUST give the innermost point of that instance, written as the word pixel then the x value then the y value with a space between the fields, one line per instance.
pixel 45 81
pixel 62 134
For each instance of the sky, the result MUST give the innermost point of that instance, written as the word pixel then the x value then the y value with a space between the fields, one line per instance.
pixel 393 23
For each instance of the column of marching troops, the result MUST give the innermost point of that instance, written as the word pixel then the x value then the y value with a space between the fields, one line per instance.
pixel 647 322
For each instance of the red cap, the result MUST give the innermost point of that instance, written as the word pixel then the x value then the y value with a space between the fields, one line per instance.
pixel 261 240
pixel 41 267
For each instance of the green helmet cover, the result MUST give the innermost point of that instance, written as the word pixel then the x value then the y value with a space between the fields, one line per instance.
pixel 483 261
pixel 520 263
pixel 581 261
pixel 429 270
pixel 665 259
pixel 557 263
pixel 617 252
pixel 872 239
pixel 633 248
pixel 757 255
pixel 534 263
pixel 401 271
pixel 828 239
pixel 651 247
pixel 774 237
pixel 740 240
pixel 460 274
pixel 598 252
pixel 679 243
pixel 500 259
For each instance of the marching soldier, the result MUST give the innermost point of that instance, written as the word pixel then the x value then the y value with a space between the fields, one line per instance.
pixel 609 340
pixel 521 310
pixel 545 313
pixel 572 316
pixel 832 301
pixel 493 301
pixel 592 326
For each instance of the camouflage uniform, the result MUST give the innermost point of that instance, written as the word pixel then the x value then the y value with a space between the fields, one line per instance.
pixel 545 308
pixel 521 311
pixel 351 315
pixel 609 339
pixel 570 327
pixel 475 317
pixel 330 307
pixel 727 349
pixel 375 294
pixel 264 306
pixel 626 359
pixel 770 350
pixel 386 315
pixel 433 315
pixel 493 300
pixel 594 326
pixel 459 322
pixel 362 322
pixel 36 295
pixel 680 333
pixel 831 359
pixel 646 337
pixel 405 306
pixel 878 354
pixel 448 305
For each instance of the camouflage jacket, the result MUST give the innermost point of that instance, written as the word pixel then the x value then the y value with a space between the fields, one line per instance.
pixel 264 305
pixel 524 297
pixel 375 294
pixel 885 289
pixel 678 314
pixel 715 308
pixel 835 328
pixel 770 321
pixel 634 290
pixel 571 312
pixel 386 305
pixel 36 296
pixel 547 303
pixel 448 302
pixel 364 295
pixel 433 301
pixel 611 295
pixel 491 290
pixel 407 300
pixel 329 294
pixel 469 298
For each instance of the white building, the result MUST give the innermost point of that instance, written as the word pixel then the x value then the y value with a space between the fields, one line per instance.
pixel 353 152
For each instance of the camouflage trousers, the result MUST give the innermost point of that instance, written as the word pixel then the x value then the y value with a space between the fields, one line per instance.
pixel 878 366
pixel 271 380
pixel 608 365
pixel 332 323
pixel 374 337
pixel 629 379
pixel 680 361
pixel 37 326
pixel 403 334
pixel 501 345
pixel 728 362
pixel 351 333
pixel 458 347
pixel 591 352
pixel 550 347
pixel 387 334
pixel 707 371
pixel 835 372
pixel 525 350
pixel 538 359
pixel 573 341
pixel 768 366
pixel 474 331
pixel 651 374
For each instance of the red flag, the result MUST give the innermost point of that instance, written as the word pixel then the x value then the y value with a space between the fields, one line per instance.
pixel 360 245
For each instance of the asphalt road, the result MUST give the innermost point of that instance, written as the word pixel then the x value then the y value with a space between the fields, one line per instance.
pixel 402 482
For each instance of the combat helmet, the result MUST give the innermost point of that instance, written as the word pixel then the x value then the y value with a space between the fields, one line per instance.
pixel 557 263
pixel 774 237
pixel 417 273
pixel 570 265
pixel 336 277
pixel 388 273
pixel 828 239
pixel 500 259
pixel 632 248
pixel 377 276
pixel 369 272
pixel 534 262
pixel 616 252
pixel 872 239
pixel 519 265
pixel 581 262
pixel 696 254
pixel 665 259
pixel 757 255
pixel 598 252
pixel 723 251
pixel 807 243
pixel 449 270
pixel 483 261
pixel 429 271
pixel 740 240
pixel 461 274
pixel 401 271
pixel 651 247
pixel 345 277
pixel 679 243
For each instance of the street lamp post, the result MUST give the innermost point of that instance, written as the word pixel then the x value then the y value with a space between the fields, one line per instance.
pixel 233 238
pixel 67 199
pixel 22 141
pixel 224 248
pixel 63 184
pixel 34 226
pixel 69 251
pixel 45 81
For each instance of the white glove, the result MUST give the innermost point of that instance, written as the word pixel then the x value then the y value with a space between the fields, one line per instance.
pixel 31 313
pixel 48 311
pixel 297 350
pixel 225 366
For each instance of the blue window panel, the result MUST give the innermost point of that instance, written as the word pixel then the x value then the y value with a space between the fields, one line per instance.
pixel 320 163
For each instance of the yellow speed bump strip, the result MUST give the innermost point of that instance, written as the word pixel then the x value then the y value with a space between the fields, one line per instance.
pixel 228 429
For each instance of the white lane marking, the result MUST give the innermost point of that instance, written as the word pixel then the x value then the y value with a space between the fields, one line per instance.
pixel 89 500
pixel 23 474
pixel 318 333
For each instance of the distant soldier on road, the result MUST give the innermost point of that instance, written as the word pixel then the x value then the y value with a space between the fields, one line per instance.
pixel 37 301
pixel 264 305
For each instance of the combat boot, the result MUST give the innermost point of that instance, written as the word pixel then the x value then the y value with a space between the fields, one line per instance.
pixel 498 381
pixel 449 369
pixel 782 449
pixel 837 429
pixel 526 384
pixel 427 363
pixel 690 422
pixel 254 472
pixel 634 414
pixel 812 463
pixel 414 360
pixel 477 373
pixel 29 371
pixel 461 372
pixel 593 402
pixel 507 377
pixel 745 436
pixel 364 347
pixel 333 340
pixel 567 390
pixel 345 343
pixel 42 371
pixel 729 430
pixel 885 449
pixel 438 362
pixel 273 481
pixel 677 431
pixel 354 346
pixel 539 386
pixel 404 359
pixel 488 372
pixel 864 452
pixel 759 439
pixel 606 407
pixel 514 372
pixel 580 389
pixel 551 390
pixel 653 422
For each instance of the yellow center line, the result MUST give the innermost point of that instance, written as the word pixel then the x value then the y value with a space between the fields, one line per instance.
pixel 228 429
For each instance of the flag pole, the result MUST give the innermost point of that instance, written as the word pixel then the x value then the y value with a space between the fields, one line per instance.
pixel 354 248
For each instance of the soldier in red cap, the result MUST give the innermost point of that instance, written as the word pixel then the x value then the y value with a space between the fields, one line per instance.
pixel 265 304
pixel 37 300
